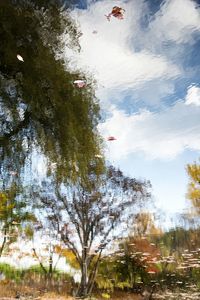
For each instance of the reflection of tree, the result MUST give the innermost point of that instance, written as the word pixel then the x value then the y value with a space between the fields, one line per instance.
pixel 87 212
pixel 144 225
pixel 39 105
pixel 13 212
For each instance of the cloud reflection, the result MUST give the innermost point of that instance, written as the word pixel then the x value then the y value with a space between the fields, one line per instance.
pixel 140 62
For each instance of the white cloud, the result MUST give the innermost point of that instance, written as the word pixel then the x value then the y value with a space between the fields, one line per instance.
pixel 110 54
pixel 123 57
pixel 193 96
pixel 161 135
pixel 123 54
pixel 176 21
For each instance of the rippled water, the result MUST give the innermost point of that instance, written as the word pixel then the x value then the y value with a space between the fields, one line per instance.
pixel 141 60
pixel 147 69
pixel 177 296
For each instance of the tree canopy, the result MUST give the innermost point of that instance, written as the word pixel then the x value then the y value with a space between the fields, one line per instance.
pixel 40 107
pixel 88 213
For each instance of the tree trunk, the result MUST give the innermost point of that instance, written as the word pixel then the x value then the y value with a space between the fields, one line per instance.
pixel 4 242
pixel 50 265
pixel 82 291
pixel 41 265
pixel 93 275
pixel 50 271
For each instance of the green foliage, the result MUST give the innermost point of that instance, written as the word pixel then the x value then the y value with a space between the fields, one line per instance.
pixel 123 284
pixel 36 269
pixel 29 231
pixel 105 284
pixel 10 272
pixel 196 276
pixel 40 106
pixel 118 272
pixel 13 213
pixel 18 275
pixel 174 257
pixel 177 240
pixel 13 209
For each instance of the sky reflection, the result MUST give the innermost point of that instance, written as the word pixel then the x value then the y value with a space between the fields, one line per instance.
pixel 147 71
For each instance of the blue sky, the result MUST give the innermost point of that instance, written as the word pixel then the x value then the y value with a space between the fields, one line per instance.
pixel 147 69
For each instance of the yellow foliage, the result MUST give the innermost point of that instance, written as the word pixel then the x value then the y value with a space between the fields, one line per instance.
pixel 145 225
pixel 123 285
pixel 5 205
pixel 193 193
pixel 194 172
pixel 105 296
pixel 69 255
pixel 104 283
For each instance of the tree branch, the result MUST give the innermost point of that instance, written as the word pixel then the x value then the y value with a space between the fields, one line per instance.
pixel 72 247
pixel 4 242
pixel 93 274
pixel 41 264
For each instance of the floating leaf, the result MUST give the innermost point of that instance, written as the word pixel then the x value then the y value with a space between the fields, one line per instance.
pixel 80 83
pixel 19 57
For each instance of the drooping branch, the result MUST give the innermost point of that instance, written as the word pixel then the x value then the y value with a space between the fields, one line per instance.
pixel 22 125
